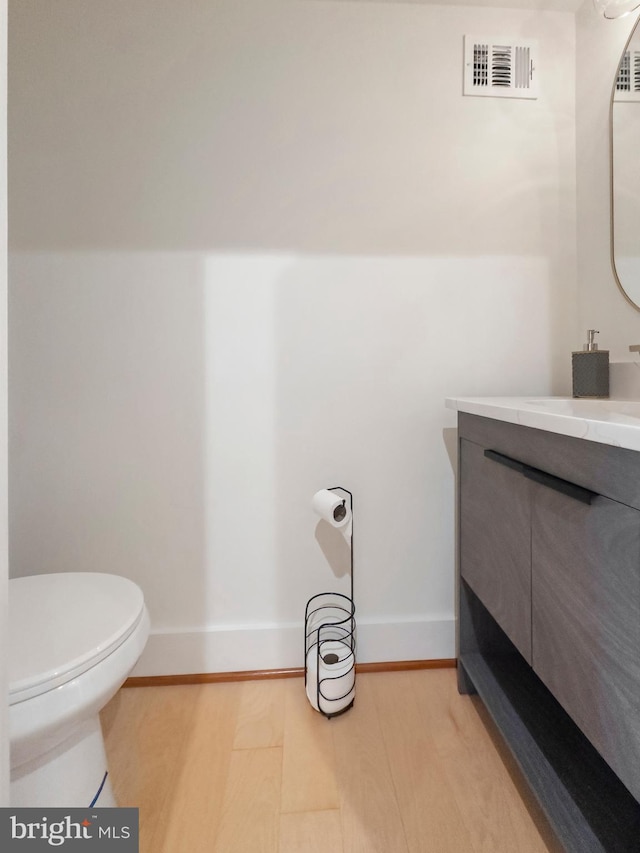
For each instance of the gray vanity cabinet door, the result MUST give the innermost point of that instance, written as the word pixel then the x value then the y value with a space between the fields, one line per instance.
pixel 586 619
pixel 495 552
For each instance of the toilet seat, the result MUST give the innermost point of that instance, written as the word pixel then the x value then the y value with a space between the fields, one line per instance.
pixel 83 616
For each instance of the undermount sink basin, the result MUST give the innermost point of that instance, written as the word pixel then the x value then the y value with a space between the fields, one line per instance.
pixel 586 408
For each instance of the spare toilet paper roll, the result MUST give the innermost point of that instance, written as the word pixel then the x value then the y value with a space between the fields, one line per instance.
pixel 332 507
pixel 336 675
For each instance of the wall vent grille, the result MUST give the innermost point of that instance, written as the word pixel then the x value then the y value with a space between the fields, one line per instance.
pixel 500 67
pixel 628 78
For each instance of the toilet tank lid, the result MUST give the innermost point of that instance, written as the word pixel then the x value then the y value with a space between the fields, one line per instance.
pixel 62 624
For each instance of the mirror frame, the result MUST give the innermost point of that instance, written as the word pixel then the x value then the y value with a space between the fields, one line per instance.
pixel 612 254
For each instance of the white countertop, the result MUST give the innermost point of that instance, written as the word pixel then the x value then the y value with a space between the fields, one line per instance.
pixel 614 422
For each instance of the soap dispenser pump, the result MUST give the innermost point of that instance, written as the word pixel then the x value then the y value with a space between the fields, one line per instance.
pixel 590 369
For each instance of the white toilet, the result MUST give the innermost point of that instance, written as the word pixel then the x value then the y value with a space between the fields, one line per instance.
pixel 73 639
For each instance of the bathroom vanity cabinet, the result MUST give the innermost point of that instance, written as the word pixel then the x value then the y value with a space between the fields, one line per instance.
pixel 549 617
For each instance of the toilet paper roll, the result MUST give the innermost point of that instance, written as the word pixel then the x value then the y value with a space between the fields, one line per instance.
pixel 337 679
pixel 332 507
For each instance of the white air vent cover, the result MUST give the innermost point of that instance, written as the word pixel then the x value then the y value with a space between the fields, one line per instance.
pixel 628 79
pixel 500 67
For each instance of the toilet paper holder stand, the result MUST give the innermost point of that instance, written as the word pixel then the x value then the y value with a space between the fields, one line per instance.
pixel 330 643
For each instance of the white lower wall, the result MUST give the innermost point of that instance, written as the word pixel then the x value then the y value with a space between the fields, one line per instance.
pixel 189 406
pixel 255 246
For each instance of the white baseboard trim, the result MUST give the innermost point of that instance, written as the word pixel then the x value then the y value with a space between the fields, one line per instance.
pixel 236 649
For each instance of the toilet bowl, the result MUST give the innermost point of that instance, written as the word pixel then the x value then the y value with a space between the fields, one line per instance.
pixel 73 639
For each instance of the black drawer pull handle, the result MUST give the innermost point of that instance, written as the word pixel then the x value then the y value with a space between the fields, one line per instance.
pixel 578 493
pixel 505 460
pixel 567 488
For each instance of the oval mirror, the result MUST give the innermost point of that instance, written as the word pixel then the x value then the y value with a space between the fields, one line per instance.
pixel 625 171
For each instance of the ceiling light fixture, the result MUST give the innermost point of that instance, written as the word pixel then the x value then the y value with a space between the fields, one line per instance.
pixel 616 8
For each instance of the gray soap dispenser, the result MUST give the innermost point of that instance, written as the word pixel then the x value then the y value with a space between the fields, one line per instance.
pixel 590 369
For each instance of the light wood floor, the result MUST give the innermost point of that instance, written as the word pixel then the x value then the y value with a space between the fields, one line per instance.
pixel 250 767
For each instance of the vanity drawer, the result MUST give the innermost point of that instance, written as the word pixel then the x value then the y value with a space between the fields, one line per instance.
pixel 495 552
pixel 610 471
pixel 586 619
